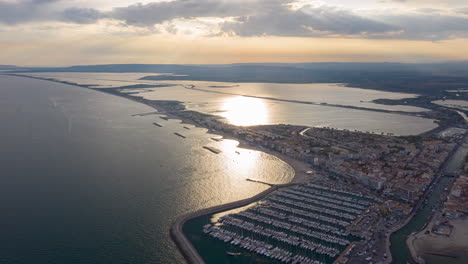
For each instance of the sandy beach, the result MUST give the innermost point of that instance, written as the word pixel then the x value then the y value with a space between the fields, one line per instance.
pixel 433 248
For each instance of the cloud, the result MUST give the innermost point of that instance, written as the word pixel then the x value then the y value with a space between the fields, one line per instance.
pixel 432 25
pixel 306 21
pixel 81 15
pixel 23 11
pixel 293 18
pixel 253 18
pixel 463 10
pixel 156 13
pixel 26 11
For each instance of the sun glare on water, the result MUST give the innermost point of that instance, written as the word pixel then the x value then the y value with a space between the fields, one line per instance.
pixel 245 111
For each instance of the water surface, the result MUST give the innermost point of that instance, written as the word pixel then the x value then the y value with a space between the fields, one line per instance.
pixel 85 182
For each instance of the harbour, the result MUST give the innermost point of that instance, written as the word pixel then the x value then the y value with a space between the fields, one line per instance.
pixel 300 224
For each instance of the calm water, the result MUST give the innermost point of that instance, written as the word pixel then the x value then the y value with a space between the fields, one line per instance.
pixel 85 182
pixel 245 111
pixel 459 104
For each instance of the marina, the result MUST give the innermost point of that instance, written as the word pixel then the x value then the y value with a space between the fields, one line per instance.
pixel 300 224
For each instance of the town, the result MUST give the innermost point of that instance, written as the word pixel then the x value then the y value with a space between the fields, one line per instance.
pixel 397 173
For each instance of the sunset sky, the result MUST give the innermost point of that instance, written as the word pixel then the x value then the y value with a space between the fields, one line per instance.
pixel 71 32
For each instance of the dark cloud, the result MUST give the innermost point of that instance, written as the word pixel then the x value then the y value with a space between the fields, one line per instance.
pixel 306 21
pixel 262 17
pixel 156 13
pixel 24 11
pixel 81 15
pixel 44 10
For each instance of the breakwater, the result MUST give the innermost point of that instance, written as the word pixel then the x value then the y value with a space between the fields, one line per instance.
pixel 183 243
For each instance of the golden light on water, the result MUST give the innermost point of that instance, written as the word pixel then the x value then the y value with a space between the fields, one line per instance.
pixel 245 111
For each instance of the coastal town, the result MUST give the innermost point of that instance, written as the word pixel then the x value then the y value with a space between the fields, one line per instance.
pixel 360 188
pixel 396 173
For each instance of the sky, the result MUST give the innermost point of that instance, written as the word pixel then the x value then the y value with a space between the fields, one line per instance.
pixel 77 32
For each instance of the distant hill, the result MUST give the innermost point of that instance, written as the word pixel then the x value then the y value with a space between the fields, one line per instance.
pixel 398 77
pixel 7 67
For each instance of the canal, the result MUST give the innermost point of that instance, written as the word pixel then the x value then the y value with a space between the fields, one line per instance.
pixel 399 250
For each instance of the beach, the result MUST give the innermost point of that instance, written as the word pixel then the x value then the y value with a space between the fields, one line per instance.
pixel 434 248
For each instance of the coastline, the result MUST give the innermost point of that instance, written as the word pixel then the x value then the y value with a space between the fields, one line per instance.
pixel 177 234
pixel 183 243
pixel 176 231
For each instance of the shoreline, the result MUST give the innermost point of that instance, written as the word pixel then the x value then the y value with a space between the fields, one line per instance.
pixel 187 249
pixel 176 231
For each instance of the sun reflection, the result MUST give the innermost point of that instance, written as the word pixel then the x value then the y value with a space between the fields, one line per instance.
pixel 244 161
pixel 245 111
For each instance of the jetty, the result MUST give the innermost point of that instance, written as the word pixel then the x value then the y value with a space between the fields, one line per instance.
pixel 184 244
pixel 212 149
pixel 156 124
pixel 258 181
pixel 146 114
pixel 179 135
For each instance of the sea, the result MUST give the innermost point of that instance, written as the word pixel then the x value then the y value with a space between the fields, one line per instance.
pixel 84 181
pixel 87 177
